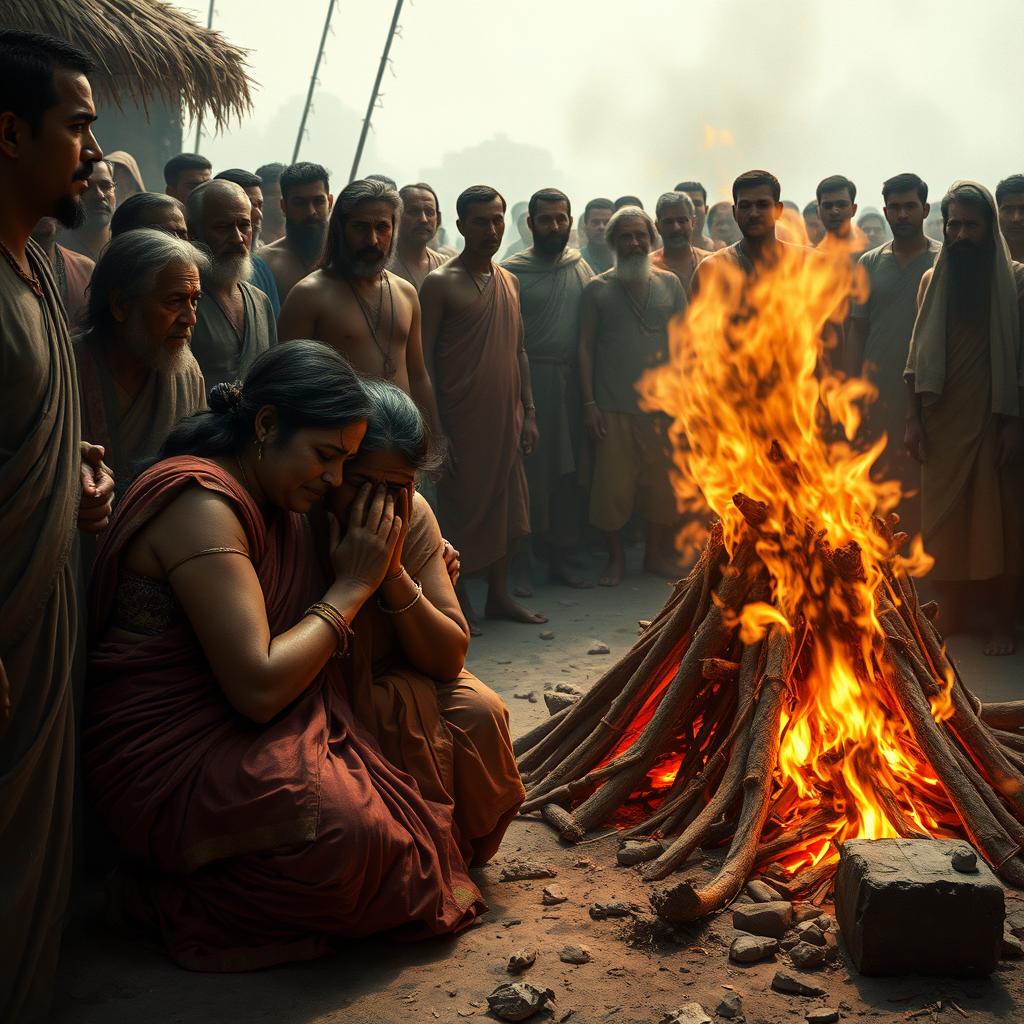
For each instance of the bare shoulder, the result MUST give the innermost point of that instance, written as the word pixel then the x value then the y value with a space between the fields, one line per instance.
pixel 401 287
pixel 926 277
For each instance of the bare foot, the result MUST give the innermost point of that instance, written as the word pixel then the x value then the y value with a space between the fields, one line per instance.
pixel 1000 643
pixel 497 608
pixel 613 571
pixel 561 572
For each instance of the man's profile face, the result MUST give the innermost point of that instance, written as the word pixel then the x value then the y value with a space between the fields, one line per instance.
pixel 227 224
pixel 596 226
pixel 836 210
pixel 700 210
pixel 756 211
pixel 966 224
pixel 308 204
pixel 675 225
pixel 550 226
pixel 369 234
pixel 632 238
pixel 419 216
pixel 1011 216
pixel 255 194
pixel 56 160
pixel 483 227
pixel 101 197
pixel 188 181
pixel 165 316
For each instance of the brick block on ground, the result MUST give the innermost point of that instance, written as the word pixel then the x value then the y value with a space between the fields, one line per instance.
pixel 904 909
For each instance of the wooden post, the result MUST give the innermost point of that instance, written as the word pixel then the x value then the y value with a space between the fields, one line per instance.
pixel 199 119
pixel 312 81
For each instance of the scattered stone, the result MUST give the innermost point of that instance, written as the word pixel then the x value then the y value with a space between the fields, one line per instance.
pixel 518 1000
pixel 761 892
pixel 547 634
pixel 827 923
pixel 881 884
pixel 1015 922
pixel 575 955
pixel 730 1006
pixel 749 949
pixel 822 1015
pixel 964 860
pixel 809 931
pixel 789 940
pixel 502 661
pixel 807 957
pixel 600 911
pixel 531 696
pixel 556 701
pixel 771 919
pixel 792 985
pixel 688 1013
pixel 1012 947
pixel 637 851
pixel 511 922
pixel 553 894
pixel 805 912
pixel 599 647
pixel 573 691
pixel 525 870
pixel 520 960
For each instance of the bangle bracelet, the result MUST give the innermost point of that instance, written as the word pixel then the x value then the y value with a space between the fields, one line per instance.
pixel 398 611
pixel 337 622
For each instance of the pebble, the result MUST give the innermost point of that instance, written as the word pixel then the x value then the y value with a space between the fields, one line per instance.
pixel 822 1015
pixel 573 691
pixel 810 932
pixel 599 647
pixel 575 955
pixel 789 940
pixel 760 892
pixel 524 870
pixel 771 919
pixel 965 860
pixel 520 960
pixel 637 851
pixel 791 985
pixel 1012 948
pixel 600 911
pixel 553 894
pixel 805 912
pixel 806 956
pixel 518 1000
pixel 688 1013
pixel 730 1006
pixel 749 949
pixel 547 634
pixel 556 701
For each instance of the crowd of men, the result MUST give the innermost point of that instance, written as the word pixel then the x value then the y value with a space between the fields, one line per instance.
pixel 524 366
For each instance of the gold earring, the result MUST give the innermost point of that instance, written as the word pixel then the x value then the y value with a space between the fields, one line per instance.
pixel 259 450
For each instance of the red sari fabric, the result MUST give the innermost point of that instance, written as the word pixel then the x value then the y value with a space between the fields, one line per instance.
pixel 253 844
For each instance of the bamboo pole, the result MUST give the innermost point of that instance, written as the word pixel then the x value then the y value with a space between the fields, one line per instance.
pixel 312 81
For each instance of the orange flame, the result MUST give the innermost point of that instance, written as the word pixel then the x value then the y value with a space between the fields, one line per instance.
pixel 756 411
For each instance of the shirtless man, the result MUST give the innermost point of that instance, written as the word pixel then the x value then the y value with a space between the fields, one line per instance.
pixel 353 303
pixel 306 203
pixel 473 342
pixel 699 195
pixel 676 220
pixel 413 258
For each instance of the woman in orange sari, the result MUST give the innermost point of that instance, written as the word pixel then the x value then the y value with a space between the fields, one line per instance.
pixel 409 684
pixel 260 819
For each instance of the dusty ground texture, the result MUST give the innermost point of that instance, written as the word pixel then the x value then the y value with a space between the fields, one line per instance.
pixel 106 978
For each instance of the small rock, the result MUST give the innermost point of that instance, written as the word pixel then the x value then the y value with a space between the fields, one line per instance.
pixel 826 922
pixel 599 647
pixel 518 1000
pixel 688 1013
pixel 502 661
pixel 575 955
pixel 760 892
pixel 749 949
pixel 637 851
pixel 573 691
pixel 1012 948
pixel 822 1015
pixel 965 860
pixel 600 911
pixel 556 701
pixel 788 983
pixel 730 1005
pixel 520 960
pixel 810 932
pixel 771 919
pixel 1015 923
pixel 553 894
pixel 805 956
pixel 547 634
pixel 805 912
pixel 789 940
pixel 524 870
pixel 521 695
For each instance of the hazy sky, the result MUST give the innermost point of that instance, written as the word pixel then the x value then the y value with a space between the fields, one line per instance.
pixel 603 98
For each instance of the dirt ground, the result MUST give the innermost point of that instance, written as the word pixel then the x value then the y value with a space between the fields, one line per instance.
pixel 106 979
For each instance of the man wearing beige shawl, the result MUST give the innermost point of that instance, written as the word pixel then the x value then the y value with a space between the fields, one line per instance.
pixel 48 480
pixel 473 345
pixel 551 280
pixel 964 376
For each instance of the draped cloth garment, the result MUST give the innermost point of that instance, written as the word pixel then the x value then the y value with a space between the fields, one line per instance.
pixel 452 737
pixel 252 844
pixel 40 486
pixel 222 355
pixel 483 502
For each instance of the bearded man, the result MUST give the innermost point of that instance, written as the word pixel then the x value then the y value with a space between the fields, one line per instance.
pixel 235 321
pixel 71 269
pixel 98 204
pixel 49 479
pixel 624 333
pixel 356 305
pixel 551 281
pixel 413 258
pixel 676 218
pixel 964 375
pixel 306 203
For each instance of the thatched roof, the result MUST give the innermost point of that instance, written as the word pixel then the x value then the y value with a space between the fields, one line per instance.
pixel 143 49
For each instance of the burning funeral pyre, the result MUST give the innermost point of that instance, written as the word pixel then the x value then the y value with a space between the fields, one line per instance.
pixel 793 693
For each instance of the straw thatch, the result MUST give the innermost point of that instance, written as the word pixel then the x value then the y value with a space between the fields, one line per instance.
pixel 144 49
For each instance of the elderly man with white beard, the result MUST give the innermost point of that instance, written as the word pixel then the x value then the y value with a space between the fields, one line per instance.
pixel 623 333
pixel 235 320
pixel 136 374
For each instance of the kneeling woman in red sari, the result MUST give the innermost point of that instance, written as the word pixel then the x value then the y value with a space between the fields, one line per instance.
pixel 409 684
pixel 261 818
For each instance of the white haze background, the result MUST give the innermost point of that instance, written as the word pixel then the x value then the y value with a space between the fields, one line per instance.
pixel 601 98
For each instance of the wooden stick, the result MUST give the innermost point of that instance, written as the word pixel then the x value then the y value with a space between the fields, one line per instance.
pixel 1007 715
